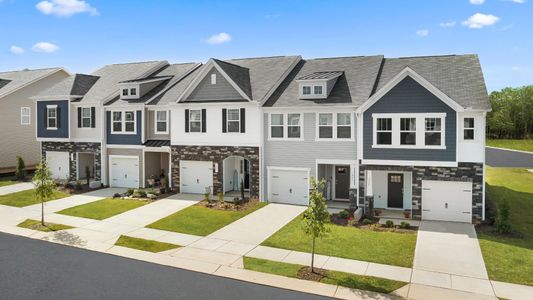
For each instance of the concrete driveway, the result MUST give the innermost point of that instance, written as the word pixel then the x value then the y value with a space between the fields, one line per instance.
pixel 497 157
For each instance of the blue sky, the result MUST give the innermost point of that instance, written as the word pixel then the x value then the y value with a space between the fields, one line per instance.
pixel 85 35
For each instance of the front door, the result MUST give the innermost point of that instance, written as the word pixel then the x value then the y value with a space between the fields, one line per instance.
pixel 246 168
pixel 395 190
pixel 342 182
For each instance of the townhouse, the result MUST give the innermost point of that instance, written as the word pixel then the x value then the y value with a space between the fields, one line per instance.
pixel 404 133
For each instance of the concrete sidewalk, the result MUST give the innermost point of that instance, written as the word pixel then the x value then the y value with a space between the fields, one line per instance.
pixel 17 187
pixel 75 200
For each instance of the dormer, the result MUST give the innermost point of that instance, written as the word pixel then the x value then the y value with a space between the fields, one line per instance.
pixel 136 88
pixel 317 85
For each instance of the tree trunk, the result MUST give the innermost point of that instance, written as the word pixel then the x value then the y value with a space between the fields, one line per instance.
pixel 42 212
pixel 313 257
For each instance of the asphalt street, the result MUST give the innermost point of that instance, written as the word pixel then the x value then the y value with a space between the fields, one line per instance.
pixel 33 269
pixel 509 159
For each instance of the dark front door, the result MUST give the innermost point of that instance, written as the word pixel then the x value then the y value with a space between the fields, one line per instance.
pixel 342 182
pixel 395 190
pixel 246 169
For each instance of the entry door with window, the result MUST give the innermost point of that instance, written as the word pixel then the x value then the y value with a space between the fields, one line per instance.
pixel 395 190
pixel 342 182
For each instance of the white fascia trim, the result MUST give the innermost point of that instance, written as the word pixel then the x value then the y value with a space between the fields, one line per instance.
pixel 288 168
pixel 53 139
pixel 157 149
pixel 418 78
pixel 118 146
pixel 83 140
pixel 56 97
pixel 203 73
pixel 410 163
pixel 336 162
pixel 311 109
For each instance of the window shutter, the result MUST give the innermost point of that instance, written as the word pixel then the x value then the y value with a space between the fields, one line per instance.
pixel 93 117
pixel 58 117
pixel 203 120
pixel 243 120
pixel 224 114
pixel 45 117
pixel 186 120
pixel 79 117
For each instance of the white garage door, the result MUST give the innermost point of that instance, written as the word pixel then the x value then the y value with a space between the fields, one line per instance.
pixel 195 176
pixel 447 201
pixel 59 163
pixel 124 171
pixel 289 186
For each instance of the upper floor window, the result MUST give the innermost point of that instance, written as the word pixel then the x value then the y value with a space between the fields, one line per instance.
pixel 294 126
pixel 133 92
pixel 317 90
pixel 233 120
pixel 25 116
pixel 325 126
pixel 384 131
pixel 125 92
pixel 468 129
pixel 161 121
pixel 335 126
pixel 86 117
pixel 344 126
pixel 123 122
pixel 51 116
pixel 276 126
pixel 408 131
pixel 213 78
pixel 433 134
pixel 306 90
pixel 195 120
pixel 286 126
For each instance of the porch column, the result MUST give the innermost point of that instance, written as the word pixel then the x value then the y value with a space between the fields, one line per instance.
pixel 369 194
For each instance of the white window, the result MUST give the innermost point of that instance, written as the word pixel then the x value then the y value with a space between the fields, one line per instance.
pixel 25 116
pixel 123 122
pixel 86 117
pixel 294 126
pixel 433 134
pixel 325 126
pixel 407 131
pixel 276 126
pixel 306 90
pixel 213 78
pixel 124 92
pixel 344 126
pixel 468 129
pixel 195 120
pixel 117 122
pixel 129 121
pixel 133 92
pixel 161 122
pixel 384 131
pixel 51 117
pixel 334 126
pixel 233 120
pixel 317 90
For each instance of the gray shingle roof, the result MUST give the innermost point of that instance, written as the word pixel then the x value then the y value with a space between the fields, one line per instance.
pixel 173 93
pixel 240 75
pixel 353 87
pixel 157 143
pixel 321 75
pixel 146 79
pixel 14 80
pixel 458 76
pixel 74 85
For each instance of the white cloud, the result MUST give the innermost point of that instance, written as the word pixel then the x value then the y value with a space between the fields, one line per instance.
pixel 45 47
pixel 65 8
pixel 422 32
pixel 448 24
pixel 518 1
pixel 477 2
pixel 16 50
pixel 480 20
pixel 218 38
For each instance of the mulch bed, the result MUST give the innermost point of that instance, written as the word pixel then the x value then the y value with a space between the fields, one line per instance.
pixel 382 228
pixel 75 191
pixel 228 206
pixel 305 273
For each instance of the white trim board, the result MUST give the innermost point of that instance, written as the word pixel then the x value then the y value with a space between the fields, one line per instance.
pixel 421 163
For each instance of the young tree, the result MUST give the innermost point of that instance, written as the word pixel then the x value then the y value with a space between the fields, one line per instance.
pixel 20 173
pixel 316 216
pixel 44 185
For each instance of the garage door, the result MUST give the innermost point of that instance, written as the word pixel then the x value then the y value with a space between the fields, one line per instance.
pixel 289 186
pixel 124 171
pixel 447 201
pixel 59 163
pixel 195 176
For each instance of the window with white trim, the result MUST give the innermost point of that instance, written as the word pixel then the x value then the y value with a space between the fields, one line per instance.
pixel 433 132
pixel 317 89
pixel 86 117
pixel 306 90
pixel 51 117
pixel 214 78
pixel 344 125
pixel 117 121
pixel 195 120
pixel 407 131
pixel 335 126
pixel 129 121
pixel 125 92
pixel 294 126
pixel 133 92
pixel 384 131
pixel 468 129
pixel 276 126
pixel 325 126
pixel 233 120
pixel 123 122
pixel 25 116
pixel 161 121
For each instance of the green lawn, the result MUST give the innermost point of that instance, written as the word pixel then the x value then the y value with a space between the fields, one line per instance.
pixel 510 259
pixel 144 245
pixel 200 220
pixel 389 248
pixel 103 209
pixel 25 198
pixel 332 277
pixel 36 225
pixel 524 145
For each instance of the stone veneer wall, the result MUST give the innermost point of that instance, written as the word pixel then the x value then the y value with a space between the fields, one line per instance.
pixel 463 172
pixel 72 147
pixel 216 154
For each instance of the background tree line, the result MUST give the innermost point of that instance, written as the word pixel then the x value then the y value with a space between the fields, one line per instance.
pixel 512 114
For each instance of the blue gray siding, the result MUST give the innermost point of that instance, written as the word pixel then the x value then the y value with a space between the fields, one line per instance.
pixel 63 123
pixel 124 139
pixel 222 90
pixel 410 97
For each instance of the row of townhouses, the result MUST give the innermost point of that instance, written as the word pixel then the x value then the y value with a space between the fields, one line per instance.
pixel 408 131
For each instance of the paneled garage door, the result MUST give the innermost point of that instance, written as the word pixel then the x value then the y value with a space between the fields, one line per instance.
pixel 195 176
pixel 59 163
pixel 288 186
pixel 124 171
pixel 447 201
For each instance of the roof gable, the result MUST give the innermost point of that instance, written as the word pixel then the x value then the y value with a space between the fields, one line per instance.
pixel 13 81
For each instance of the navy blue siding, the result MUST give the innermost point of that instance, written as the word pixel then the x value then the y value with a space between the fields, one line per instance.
pixel 124 139
pixel 410 97
pixel 63 122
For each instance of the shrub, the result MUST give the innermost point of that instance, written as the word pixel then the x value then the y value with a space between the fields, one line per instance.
pixel 405 225
pixel 77 186
pixel 116 195
pixel 220 197
pixel 206 197
pixel 502 219
pixel 130 192
pixel 20 173
pixel 367 221
pixel 142 193
pixel 389 224
pixel 344 214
